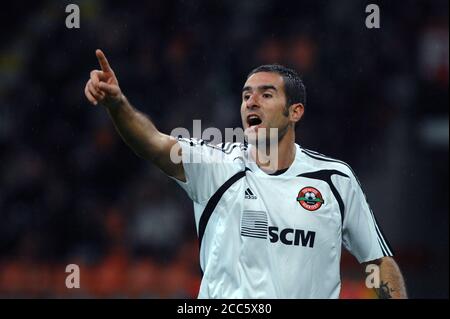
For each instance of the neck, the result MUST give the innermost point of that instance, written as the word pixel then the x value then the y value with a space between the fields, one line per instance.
pixel 272 159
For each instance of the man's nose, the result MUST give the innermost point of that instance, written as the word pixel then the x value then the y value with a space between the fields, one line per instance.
pixel 252 102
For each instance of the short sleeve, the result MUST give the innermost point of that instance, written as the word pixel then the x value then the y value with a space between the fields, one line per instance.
pixel 206 168
pixel 362 235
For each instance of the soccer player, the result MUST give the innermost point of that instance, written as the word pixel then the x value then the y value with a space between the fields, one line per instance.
pixel 268 226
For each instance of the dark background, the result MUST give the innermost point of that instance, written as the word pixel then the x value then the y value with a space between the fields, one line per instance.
pixel 72 192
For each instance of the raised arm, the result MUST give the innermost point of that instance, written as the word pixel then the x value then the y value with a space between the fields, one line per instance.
pixel 135 128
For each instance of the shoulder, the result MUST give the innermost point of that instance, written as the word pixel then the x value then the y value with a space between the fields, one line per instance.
pixel 319 161
pixel 228 148
pixel 224 150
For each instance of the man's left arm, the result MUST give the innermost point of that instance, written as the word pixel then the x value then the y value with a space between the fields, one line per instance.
pixel 363 237
pixel 392 284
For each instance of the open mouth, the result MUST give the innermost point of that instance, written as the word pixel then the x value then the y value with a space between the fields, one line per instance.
pixel 253 120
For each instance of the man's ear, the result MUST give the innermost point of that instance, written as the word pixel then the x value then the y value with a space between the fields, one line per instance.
pixel 296 112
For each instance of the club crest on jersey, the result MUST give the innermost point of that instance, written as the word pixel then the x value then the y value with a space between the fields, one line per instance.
pixel 310 198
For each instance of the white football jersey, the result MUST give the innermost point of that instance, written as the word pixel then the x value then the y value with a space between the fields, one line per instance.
pixel 280 235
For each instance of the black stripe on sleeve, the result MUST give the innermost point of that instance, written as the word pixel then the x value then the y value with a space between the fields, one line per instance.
pixel 384 244
pixel 382 247
pixel 387 246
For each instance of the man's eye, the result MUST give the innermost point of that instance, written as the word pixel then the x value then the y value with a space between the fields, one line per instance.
pixel 246 97
pixel 267 95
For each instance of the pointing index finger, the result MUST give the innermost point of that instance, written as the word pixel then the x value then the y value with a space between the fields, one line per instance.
pixel 103 61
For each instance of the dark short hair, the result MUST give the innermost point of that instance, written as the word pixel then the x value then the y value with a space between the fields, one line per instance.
pixel 293 85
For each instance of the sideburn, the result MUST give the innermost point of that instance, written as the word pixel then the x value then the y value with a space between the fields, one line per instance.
pixel 286 110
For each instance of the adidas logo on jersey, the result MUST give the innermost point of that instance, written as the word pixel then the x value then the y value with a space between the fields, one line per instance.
pixel 249 194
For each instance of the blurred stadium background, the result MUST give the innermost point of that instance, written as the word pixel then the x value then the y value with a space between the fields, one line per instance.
pixel 72 192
